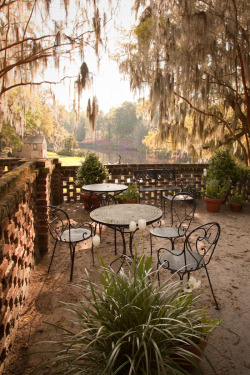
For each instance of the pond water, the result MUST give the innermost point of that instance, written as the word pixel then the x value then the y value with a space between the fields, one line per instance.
pixel 135 157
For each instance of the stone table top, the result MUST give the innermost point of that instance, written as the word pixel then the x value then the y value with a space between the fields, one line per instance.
pixel 104 188
pixel 120 215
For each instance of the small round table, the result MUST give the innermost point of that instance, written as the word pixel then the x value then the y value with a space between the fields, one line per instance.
pixel 119 216
pixel 105 192
pixel 104 188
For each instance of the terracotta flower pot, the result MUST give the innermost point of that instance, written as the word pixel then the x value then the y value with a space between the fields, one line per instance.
pixel 213 205
pixel 130 201
pixel 90 201
pixel 235 207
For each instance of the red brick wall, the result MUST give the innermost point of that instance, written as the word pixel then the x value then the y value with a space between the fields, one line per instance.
pixel 24 191
pixel 65 189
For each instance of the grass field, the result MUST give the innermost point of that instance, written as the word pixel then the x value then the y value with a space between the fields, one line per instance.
pixel 65 160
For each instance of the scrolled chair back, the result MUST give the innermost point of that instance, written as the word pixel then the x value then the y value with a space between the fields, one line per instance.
pixel 202 241
pixel 183 206
pixel 58 222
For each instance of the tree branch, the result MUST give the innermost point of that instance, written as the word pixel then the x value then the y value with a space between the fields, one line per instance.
pixel 36 83
pixel 234 136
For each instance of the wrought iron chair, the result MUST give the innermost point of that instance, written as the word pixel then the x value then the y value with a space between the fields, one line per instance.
pixel 197 252
pixel 156 180
pixel 183 206
pixel 62 230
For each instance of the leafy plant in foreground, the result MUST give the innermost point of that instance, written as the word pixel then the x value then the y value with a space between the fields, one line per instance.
pixel 131 325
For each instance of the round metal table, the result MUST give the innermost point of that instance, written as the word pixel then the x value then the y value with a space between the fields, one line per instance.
pixel 104 188
pixel 105 193
pixel 119 216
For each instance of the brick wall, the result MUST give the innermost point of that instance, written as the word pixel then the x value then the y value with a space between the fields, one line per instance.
pixel 65 189
pixel 24 191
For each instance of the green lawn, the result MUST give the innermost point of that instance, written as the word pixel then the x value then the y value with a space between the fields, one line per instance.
pixel 65 160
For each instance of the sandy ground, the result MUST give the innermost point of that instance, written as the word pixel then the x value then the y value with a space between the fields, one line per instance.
pixel 229 271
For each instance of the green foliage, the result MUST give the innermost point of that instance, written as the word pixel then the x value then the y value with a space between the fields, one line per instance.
pixel 223 167
pixel 191 189
pixel 131 193
pixel 9 137
pixel 80 153
pixel 131 325
pixel 123 119
pixel 66 152
pixel 237 197
pixel 91 170
pixel 215 190
pixel 70 143
pixel 244 173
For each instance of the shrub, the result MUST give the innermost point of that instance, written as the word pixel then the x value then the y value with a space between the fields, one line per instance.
pixel 215 190
pixel 131 193
pixel 91 170
pixel 66 152
pixel 131 325
pixel 223 167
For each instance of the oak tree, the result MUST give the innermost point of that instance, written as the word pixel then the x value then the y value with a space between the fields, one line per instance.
pixel 194 56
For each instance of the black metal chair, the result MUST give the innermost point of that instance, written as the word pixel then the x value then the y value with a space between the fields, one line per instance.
pixel 183 206
pixel 152 180
pixel 197 252
pixel 62 230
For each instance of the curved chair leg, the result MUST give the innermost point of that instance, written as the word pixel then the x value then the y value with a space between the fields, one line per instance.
pixel 158 273
pixel 72 252
pixel 92 252
pixel 216 303
pixel 52 255
pixel 151 244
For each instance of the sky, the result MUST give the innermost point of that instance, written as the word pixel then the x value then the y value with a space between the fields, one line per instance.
pixel 109 86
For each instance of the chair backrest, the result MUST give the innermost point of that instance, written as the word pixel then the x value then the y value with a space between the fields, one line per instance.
pixel 155 175
pixel 168 174
pixel 183 206
pixel 144 175
pixel 57 220
pixel 201 242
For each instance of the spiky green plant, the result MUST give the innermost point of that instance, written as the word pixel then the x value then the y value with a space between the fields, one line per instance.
pixel 131 325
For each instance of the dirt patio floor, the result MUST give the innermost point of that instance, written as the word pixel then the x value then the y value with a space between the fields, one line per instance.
pixel 229 272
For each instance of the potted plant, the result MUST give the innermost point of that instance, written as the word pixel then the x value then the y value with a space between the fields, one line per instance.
pixel 236 200
pixel 133 325
pixel 131 195
pixel 215 193
pixel 91 171
pixel 223 167
pixel 191 189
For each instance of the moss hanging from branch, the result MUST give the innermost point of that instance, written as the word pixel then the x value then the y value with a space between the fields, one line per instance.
pixel 194 57
pixel 92 111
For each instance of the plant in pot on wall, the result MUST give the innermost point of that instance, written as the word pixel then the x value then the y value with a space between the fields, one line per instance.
pixel 131 195
pixel 133 325
pixel 215 194
pixel 91 171
pixel 236 200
